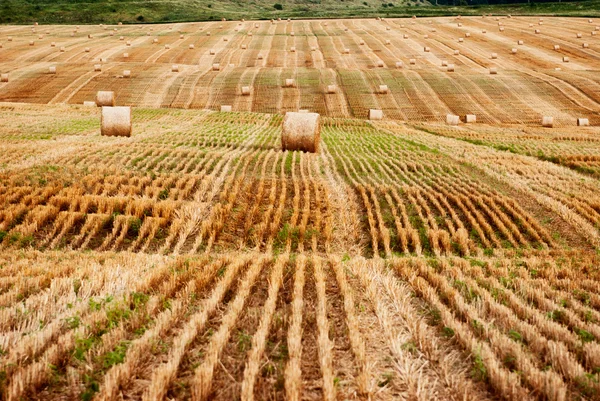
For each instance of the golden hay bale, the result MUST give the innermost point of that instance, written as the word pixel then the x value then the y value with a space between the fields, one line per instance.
pixel 537 31
pixel 40 37
pixel 211 52
pixel 380 64
pixel 292 33
pixel 112 34
pixel 167 47
pixel 88 103
pixel 583 122
pixel 444 63
pixel 62 49
pixel 388 42
pixel 362 42
pixel 467 35
pixel 4 78
pixel 387 28
pixel 501 29
pixel 90 37
pixel 494 56
pixel 301 131
pixel 426 36
pixel 174 68
pixel 450 68
pixel 191 47
pixel 293 49
pixel 97 67
pixel 121 38
pixel 180 36
pixel 260 57
pixel 31 43
pixel 225 108
pixel 383 89
pixel 520 42
pixel 207 33
pixel 116 121
pixel 155 41
pixel 593 33
pixel 405 36
pixel 53 44
pixel 585 45
pixel 313 49
pixel 426 49
pixel 9 38
pixel 565 59
pixel 514 50
pixel 250 34
pixel 484 31
pixel 493 70
pixel 547 121
pixel 216 67
pixel 87 49
pixel 412 61
pixel 128 43
pixel 290 83
pixel 451 119
pixel 579 36
pixel 125 55
pixel 331 89
pixel 105 98
pixel 244 47
pixel 256 26
pixel 52 70
pixel 346 51
pixel 470 118
pixel 556 47
pixel 457 52
pixel 399 64
pixel 225 39
pixel 460 40
pixel 375 114
pixel 245 91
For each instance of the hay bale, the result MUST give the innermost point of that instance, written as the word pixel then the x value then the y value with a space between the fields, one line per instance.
pixel 191 47
pixel 155 41
pixel 211 52
pixel 112 34
pixel 105 98
pixel 579 36
pixel 501 29
pixel 520 43
pixel 31 43
pixel 375 114
pixel 88 103
pixel 62 49
pixel 225 108
pixel 514 50
pixel 53 44
pixel 346 51
pixel 405 36
pixel 450 68
pixel 87 49
pixel 256 26
pixel 125 55
pixel 557 47
pixel 9 38
pixel 3 77
pixel 426 49
pixel 383 89
pixel 216 67
pixel 537 31
pixel 484 31
pixel 547 121
pixel 292 33
pixel 565 59
pixel 331 89
pixel 245 91
pixel 249 33
pixel 467 35
pixel 460 40
pixel 451 119
pixel 457 52
pixel 225 39
pixel 362 42
pixel 180 36
pixel 494 56
pixel 244 47
pixel 387 28
pixel 583 122
pixel 585 45
pixel 167 47
pixel 313 49
pixel 470 118
pixel 301 131
pixel 128 43
pixel 52 70
pixel 121 38
pixel 345 29
pixel 116 121
pixel 126 74
pixel 426 36
pixel 399 64
pixel 493 70
pixel 90 37
pixel 97 67
pixel 260 57
pixel 174 68
pixel 380 64
pixel 293 49
pixel 290 83
pixel 412 61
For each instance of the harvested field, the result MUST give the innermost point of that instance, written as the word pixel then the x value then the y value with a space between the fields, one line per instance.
pixel 407 259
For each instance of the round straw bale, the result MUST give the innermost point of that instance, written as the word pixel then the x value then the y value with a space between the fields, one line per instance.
pixel 52 70
pixel 53 44
pixel 225 108
pixel 244 47
pixel 405 36
pixel 97 67
pixel 585 45
pixel 155 41
pixel 412 61
pixel 537 31
pixel 216 67
pixel 293 49
pixel 90 37
pixel 225 39
pixel 290 83
pixel 87 49
pixel 211 52
pixel 426 36
pixel 583 122
pixel 362 42
pixel 470 118
pixel 112 34
pixel 444 63
pixel 116 121
pixel 167 47
pixel 180 36
pixel 556 47
pixel 105 98
pixel 128 43
pixel 9 38
pixel 330 89
pixel 4 78
pixel 520 42
pixel 565 59
pixel 88 103
pixel 467 35
pixel 383 89
pixel 579 36
pixel 493 70
pixel 292 33
pixel 301 131
pixel 31 43
pixel 250 33
pixel 347 51
pixel 457 52
pixel 388 42
pixel 450 68
pixel 40 37
pixel 256 26
pixel 375 114
pixel 126 74
pixel 313 49
pixel 547 121
pixel 451 119
pixel 593 33
pixel 399 64
pixel 494 55
pixel 125 55
pixel 191 47
pixel 387 28
pixel 245 91
pixel 207 33
pixel 426 49
pixel 380 63
pixel 501 29
pixel 121 38
pixel 260 57
pixel 174 68
pixel 514 50
pixel 460 40
pixel 484 31
pixel 62 49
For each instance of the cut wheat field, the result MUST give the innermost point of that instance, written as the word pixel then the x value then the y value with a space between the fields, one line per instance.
pixel 408 259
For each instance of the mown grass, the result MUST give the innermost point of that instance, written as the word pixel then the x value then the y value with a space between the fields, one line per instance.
pixel 134 11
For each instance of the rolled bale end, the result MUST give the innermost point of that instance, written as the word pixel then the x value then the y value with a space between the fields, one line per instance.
pixel 126 74
pixel 128 43
pixel 583 122
pixel 250 34
pixel 412 61
pixel 547 121
pixel 380 64
pixel 375 114
pixel 556 47
pixel 116 121
pixel 155 41
pixel 501 29
pixel 167 47
pixel 444 63
pixel 191 47
pixel 88 103
pixel 292 49
pixel 290 83
pixel 520 43
pixel 457 52
pixel 97 67
pixel 301 131
pixel 87 49
pixel 383 89
pixel 3 77
pixel 426 49
pixel 405 36
pixel 579 36
pixel 484 31
pixel 62 49
pixel 346 51
pixel 9 39
pixel 105 98
pixel 493 70
pixel 225 108
pixel 125 55
pixel 537 31
pixel 467 35
pixel 585 45
pixel 174 68
pixel 399 64
pixel 211 52
pixel 514 50
pixel 451 119
pixel 245 91
pixel 450 68
pixel 260 57
pixel 388 42
pixel 216 67
pixel 362 42
pixel 469 118
pixel 565 59
pixel 53 44
pixel 31 43
pixel 121 38
pixel 460 40
pixel 51 70
pixel 244 47
pixel 331 89
pixel 494 56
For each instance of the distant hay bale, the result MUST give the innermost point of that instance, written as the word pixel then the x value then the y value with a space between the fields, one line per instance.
pixel 3 77
pixel 426 36
pixel 388 42
pixel 470 118
pixel 399 64
pixel 260 57
pixel 52 70
pixel 346 51
pixel 579 36
pixel 121 38
pixel 514 50
pixel 457 52
pixel 174 68
pixel 249 33
pixel 484 31
pixel 426 49
pixel 87 49
pixel 444 63
pixel 290 83
pixel 126 74
pixel 313 49
pixel 9 38
pixel 245 91
pixel 565 59
pixel 375 114
pixel 244 47
pixel 383 89
pixel 90 36
pixel 331 89
pixel 62 49
pixel 155 41
pixel 459 25
pixel 493 70
pixel 225 108
pixel 191 47
pixel 31 43
pixel 301 131
pixel 116 121
pixel 387 28
pixel 362 42
pixel 585 45
pixel 460 40
pixel 211 52
pixel 451 119
pixel 88 103
pixel 225 39
pixel 556 47
pixel 112 34
pixel 128 43
pixel 216 67
pixel 292 33
pixel 167 47
pixel 537 31
pixel 97 67
pixel 467 35
pixel 380 64
pixel 494 56
pixel 125 55
pixel 583 122
pixel 105 98
pixel 450 68
pixel 180 36
pixel 293 49
pixel 345 29
pixel 501 29
pixel 520 42
pixel 547 121
pixel 405 36
pixel 256 26
pixel 412 61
